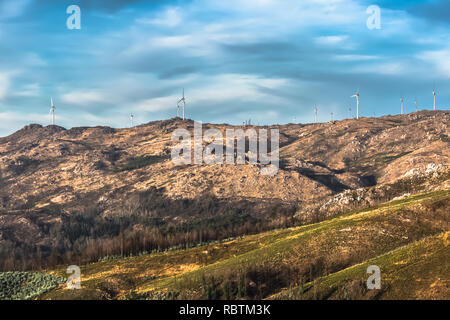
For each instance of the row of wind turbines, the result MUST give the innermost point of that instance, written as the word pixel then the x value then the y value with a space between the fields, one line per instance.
pixel 181 106
pixel 356 95
pixel 402 100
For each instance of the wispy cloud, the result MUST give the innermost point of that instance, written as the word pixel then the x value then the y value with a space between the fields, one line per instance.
pixel 331 40
pixel 171 17
pixel 83 97
pixel 28 90
pixel 4 84
pixel 440 61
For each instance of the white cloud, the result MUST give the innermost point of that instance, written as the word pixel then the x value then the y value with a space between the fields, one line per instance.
pixel 21 117
pixel 440 59
pixel 83 97
pixel 242 22
pixel 331 40
pixel 29 90
pixel 4 84
pixel 34 60
pixel 354 57
pixel 172 17
pixel 156 104
pixel 217 89
pixel 293 13
pixel 384 68
pixel 173 42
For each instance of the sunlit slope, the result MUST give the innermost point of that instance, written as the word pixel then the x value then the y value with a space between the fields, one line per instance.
pixel 419 270
pixel 260 266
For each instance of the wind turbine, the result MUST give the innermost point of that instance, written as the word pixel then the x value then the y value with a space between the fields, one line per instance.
pixel 349 112
pixel 401 100
pixel 52 111
pixel 131 119
pixel 332 116
pixel 356 95
pixel 315 113
pixel 182 100
pixel 417 104
pixel 434 99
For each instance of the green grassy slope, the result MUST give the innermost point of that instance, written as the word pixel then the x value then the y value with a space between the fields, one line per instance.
pixel 264 265
pixel 419 270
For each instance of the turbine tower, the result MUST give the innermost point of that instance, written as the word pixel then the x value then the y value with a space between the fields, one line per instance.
pixel 52 111
pixel 434 99
pixel 417 105
pixel 349 112
pixel 131 119
pixel 401 100
pixel 356 95
pixel 315 114
pixel 332 116
pixel 182 100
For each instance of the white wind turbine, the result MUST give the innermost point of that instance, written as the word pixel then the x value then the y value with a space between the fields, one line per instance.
pixel 52 111
pixel 401 100
pixel 182 100
pixel 132 120
pixel 417 104
pixel 356 95
pixel 315 113
pixel 434 99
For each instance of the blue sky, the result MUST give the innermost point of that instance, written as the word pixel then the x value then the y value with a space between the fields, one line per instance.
pixel 267 60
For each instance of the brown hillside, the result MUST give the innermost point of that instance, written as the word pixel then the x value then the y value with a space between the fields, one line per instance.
pixel 324 167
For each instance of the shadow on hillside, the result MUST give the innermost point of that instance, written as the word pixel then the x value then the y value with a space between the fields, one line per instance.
pixel 328 180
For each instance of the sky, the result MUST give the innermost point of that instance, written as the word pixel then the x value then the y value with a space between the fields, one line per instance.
pixel 269 61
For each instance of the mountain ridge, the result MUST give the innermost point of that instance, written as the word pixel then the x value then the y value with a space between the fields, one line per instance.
pixel 51 176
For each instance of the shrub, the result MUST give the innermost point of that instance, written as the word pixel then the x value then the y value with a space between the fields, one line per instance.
pixel 26 285
pixel 21 164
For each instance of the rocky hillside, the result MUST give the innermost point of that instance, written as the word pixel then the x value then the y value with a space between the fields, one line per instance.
pixel 51 172
pixel 44 165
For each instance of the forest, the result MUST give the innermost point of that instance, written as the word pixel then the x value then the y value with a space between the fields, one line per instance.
pixel 146 222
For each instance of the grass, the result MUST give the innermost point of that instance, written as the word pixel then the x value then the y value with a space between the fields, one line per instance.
pixel 248 267
pixel 389 159
pixel 415 271
pixel 380 160
pixel 306 244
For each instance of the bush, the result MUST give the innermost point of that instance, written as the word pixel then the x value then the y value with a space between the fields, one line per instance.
pixel 26 285
pixel 21 164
